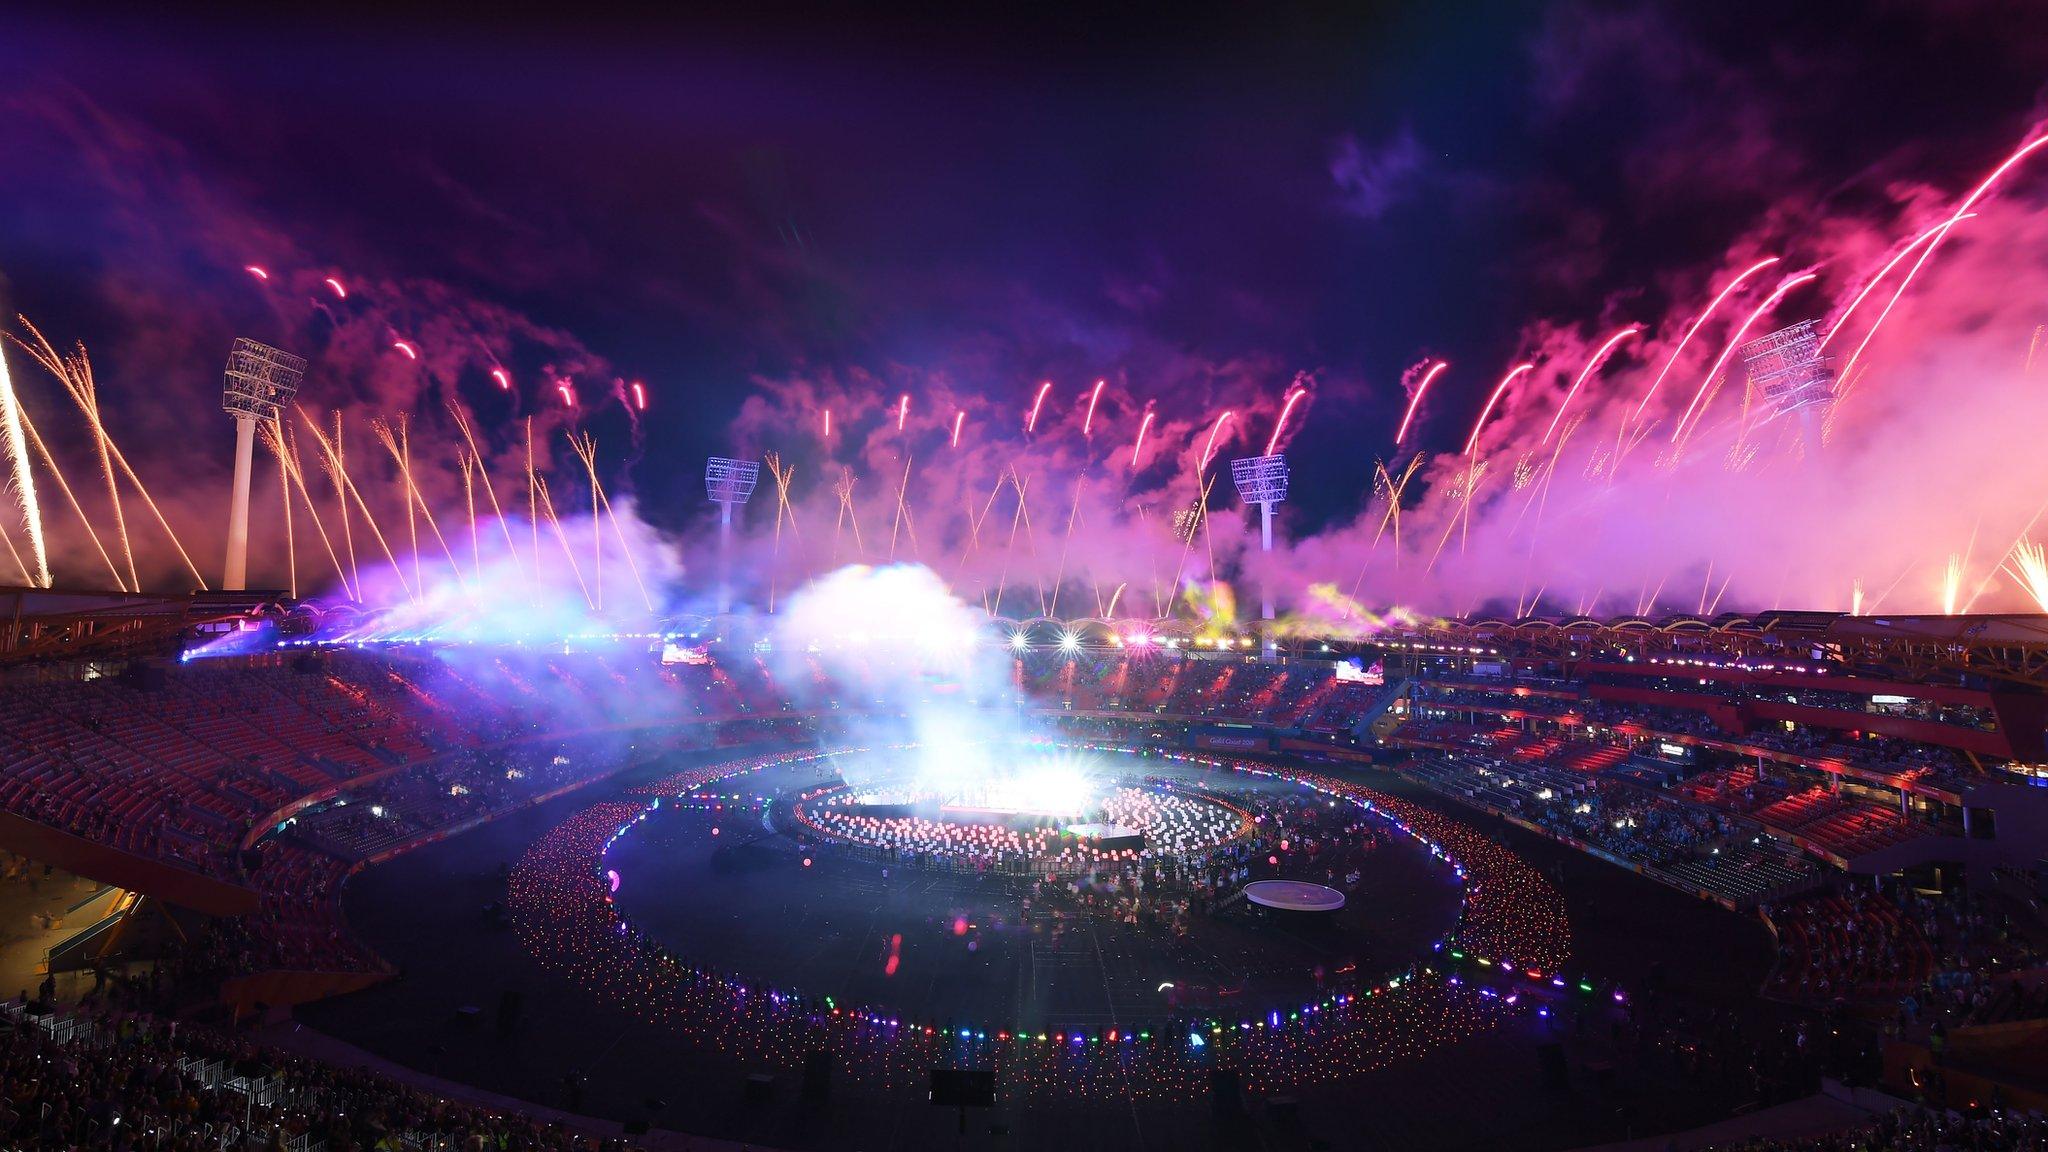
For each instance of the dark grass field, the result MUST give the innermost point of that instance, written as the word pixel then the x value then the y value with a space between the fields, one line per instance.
pixel 827 927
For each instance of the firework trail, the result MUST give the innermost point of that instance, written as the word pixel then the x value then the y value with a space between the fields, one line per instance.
pixel 407 349
pixel 284 495
pixel 2033 346
pixel 279 439
pixel 1941 234
pixel 331 450
pixel 503 378
pixel 256 271
pixel 20 565
pixel 902 521
pixel 1856 597
pixel 783 508
pixel 400 450
pixel 2028 565
pixel 75 374
pixel 828 425
pixel 81 367
pixel 1415 401
pixel 902 410
pixel 1031 418
pixel 1009 548
pixel 476 544
pixel 1094 397
pixel 24 482
pixel 1592 363
pixel 1499 390
pixel 533 506
pixel 296 472
pixel 1280 425
pixel 1874 281
pixel 1073 518
pixel 1110 612
pixel 586 451
pixel 337 473
pixel 42 450
pixel 490 490
pixel 602 503
pixel 1209 449
pixel 959 417
pixel 1690 332
pixel 1728 349
pixel 974 525
pixel 1951 584
pixel 547 508
pixel 847 514
pixel 1138 445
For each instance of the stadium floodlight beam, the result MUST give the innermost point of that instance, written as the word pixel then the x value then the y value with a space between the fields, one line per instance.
pixel 729 483
pixel 1262 480
pixel 260 380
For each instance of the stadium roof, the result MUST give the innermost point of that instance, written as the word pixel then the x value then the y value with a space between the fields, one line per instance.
pixel 43 625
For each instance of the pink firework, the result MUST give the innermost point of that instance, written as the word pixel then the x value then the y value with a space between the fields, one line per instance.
pixel 1843 319
pixel 1731 286
pixel 256 271
pixel 1940 234
pixel 1499 390
pixel 902 410
pixel 340 293
pixel 1209 449
pixel 1143 425
pixel 1728 349
pixel 503 378
pixel 411 353
pixel 567 393
pixel 1415 401
pixel 1591 363
pixel 959 418
pixel 1280 425
pixel 1088 422
pixel 1031 420
pixel 828 423
pixel 639 396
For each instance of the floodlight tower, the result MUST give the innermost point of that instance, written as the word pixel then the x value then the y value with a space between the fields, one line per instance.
pixel 1787 369
pixel 260 381
pixel 729 483
pixel 1262 480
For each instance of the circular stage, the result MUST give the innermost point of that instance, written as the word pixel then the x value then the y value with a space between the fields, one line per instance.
pixel 716 906
pixel 1293 896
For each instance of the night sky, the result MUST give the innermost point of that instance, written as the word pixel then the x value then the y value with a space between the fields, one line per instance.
pixel 1197 205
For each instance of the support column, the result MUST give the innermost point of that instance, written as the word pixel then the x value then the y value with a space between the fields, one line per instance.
pixel 235 576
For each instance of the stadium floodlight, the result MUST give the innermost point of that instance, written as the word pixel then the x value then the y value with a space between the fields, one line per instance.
pixel 1262 480
pixel 260 381
pixel 1787 370
pixel 728 483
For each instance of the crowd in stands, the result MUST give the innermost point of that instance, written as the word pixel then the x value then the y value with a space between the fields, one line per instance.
pixel 125 1079
pixel 1186 685
pixel 1685 845
pixel 1917 1129
pixel 1903 760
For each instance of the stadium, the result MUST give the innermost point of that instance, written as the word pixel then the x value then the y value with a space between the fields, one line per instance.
pixel 640 891
pixel 1180 623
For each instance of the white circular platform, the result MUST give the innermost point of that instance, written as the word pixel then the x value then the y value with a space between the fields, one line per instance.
pixel 1293 896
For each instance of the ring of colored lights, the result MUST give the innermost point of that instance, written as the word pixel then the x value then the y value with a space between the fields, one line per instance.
pixel 1511 939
